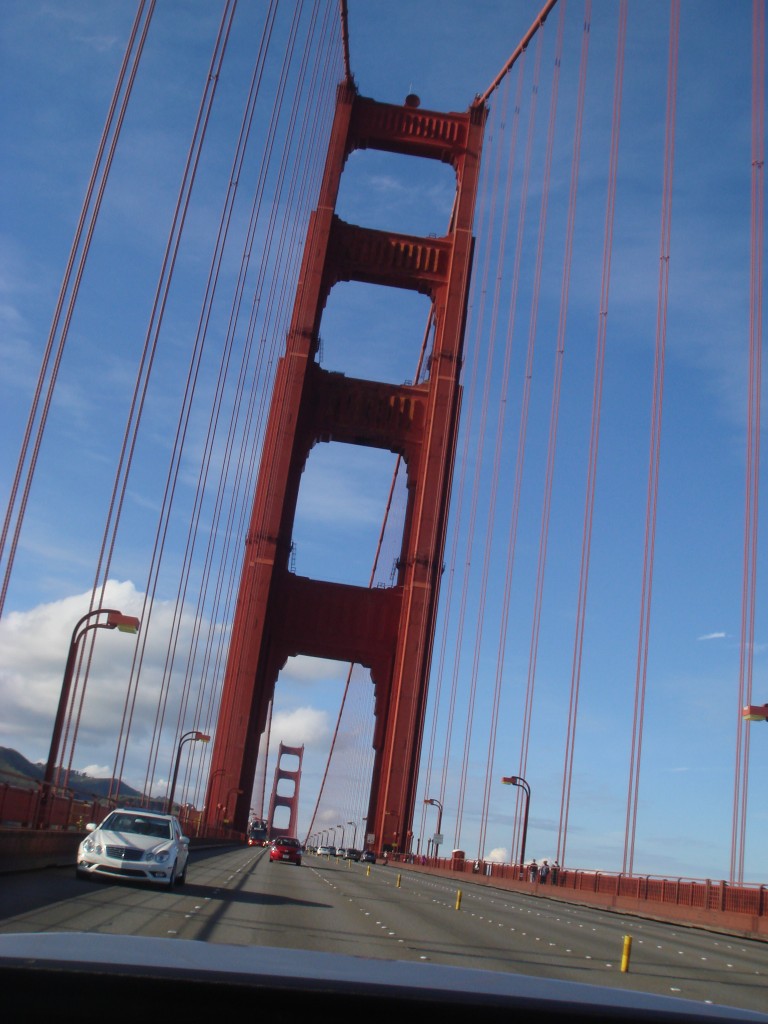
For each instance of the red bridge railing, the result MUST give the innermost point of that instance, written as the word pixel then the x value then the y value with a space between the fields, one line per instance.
pixel 708 903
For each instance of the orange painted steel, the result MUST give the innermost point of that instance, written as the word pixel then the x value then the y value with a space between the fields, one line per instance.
pixel 279 614
pixel 285 799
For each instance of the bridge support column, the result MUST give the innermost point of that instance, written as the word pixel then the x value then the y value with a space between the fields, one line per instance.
pixel 390 630
pixel 289 800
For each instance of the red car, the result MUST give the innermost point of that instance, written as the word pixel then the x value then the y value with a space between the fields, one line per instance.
pixel 285 849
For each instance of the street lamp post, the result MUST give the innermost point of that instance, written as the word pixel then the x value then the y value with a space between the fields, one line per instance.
pixel 436 803
pixel 354 837
pixel 193 736
pixel 115 620
pixel 518 780
pixel 343 843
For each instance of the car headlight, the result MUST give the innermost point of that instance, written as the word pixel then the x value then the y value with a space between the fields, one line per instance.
pixel 159 856
pixel 91 846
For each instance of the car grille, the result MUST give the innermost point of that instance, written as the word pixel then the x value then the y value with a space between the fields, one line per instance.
pixel 124 853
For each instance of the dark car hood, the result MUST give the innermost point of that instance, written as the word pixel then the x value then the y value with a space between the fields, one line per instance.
pixel 43 968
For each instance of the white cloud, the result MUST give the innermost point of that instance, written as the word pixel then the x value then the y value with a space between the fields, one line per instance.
pixel 499 854
pixel 306 670
pixel 33 652
pixel 713 636
pixel 307 727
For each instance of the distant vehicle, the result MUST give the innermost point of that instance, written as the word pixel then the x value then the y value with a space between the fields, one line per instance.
pixel 325 851
pixel 350 854
pixel 368 857
pixel 141 846
pixel 258 833
pixel 286 850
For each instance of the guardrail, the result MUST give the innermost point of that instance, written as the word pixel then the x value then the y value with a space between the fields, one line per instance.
pixel 21 807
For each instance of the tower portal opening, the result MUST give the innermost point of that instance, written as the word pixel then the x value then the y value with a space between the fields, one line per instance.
pixel 394 192
pixel 343 499
pixel 375 333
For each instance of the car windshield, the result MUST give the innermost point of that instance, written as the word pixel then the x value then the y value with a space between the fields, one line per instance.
pixel 137 824
pixel 364 437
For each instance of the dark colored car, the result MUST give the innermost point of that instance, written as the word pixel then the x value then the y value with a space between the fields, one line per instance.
pixel 368 857
pixel 258 834
pixel 285 849
pixel 350 854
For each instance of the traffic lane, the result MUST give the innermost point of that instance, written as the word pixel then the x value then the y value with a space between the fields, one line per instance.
pixel 421 914
pixel 516 932
pixel 268 905
pixel 236 898
pixel 667 958
pixel 54 900
pixel 341 907
pixel 294 908
pixel 654 943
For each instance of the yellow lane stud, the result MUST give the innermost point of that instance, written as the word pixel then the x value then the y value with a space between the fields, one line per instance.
pixel 458 899
pixel 625 953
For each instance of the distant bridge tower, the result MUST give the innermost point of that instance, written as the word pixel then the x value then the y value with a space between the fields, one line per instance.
pixel 286 799
pixel 390 630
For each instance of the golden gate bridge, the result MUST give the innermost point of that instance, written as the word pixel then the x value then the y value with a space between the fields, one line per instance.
pixel 589 398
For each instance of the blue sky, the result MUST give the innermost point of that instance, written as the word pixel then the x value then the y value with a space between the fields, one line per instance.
pixel 59 63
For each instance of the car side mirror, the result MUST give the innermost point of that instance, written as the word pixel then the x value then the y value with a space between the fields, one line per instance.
pixel 91 826
pixel 185 840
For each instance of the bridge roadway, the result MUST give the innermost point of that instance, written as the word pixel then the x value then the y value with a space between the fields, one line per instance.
pixel 238 897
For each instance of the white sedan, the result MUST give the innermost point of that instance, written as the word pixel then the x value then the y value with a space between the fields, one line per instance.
pixel 136 845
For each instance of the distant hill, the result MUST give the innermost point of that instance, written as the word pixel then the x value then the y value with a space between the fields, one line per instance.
pixel 16 770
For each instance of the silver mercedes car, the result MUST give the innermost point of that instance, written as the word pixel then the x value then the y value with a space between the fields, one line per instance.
pixel 135 845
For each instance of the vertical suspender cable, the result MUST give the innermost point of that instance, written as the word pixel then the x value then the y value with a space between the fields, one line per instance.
pixel 212 424
pixel 303 195
pixel 478 286
pixel 469 542
pixel 178 446
pixel 254 381
pixel 492 335
pixel 749 583
pixel 71 285
pixel 522 435
pixel 151 339
pixel 554 409
pixel 594 438
pixel 655 446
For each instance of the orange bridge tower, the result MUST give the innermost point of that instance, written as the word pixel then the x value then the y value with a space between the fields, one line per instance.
pixel 389 630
